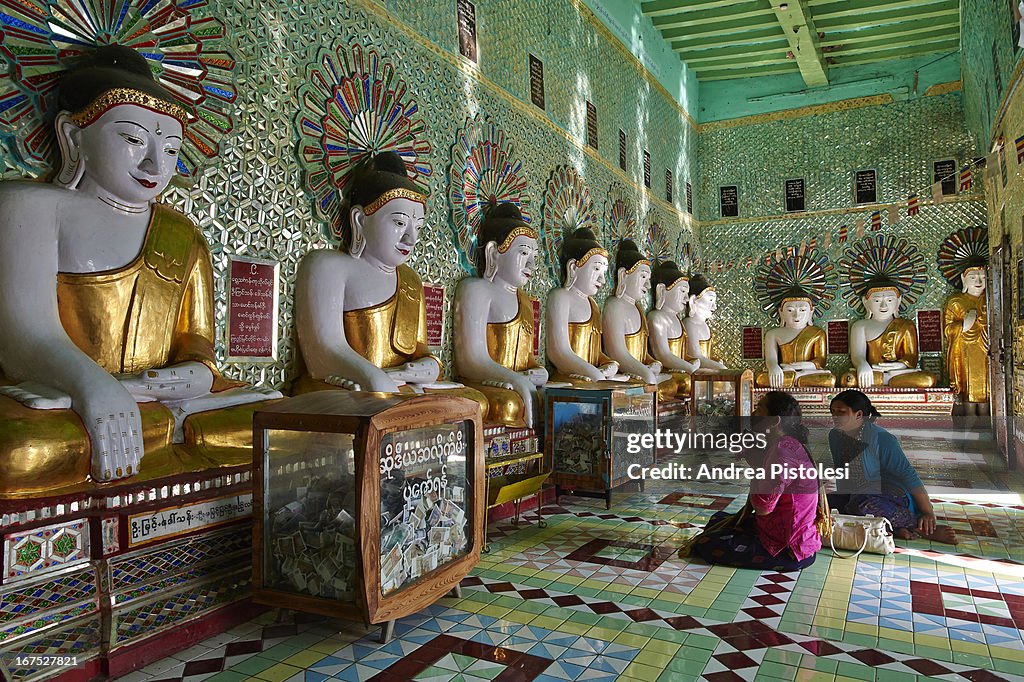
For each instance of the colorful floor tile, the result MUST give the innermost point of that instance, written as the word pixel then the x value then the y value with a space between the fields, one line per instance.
pixel 601 594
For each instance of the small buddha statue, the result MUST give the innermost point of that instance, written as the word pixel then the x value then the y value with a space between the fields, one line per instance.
pixel 966 330
pixel 573 318
pixel 106 348
pixel 360 313
pixel 795 353
pixel 699 337
pixel 624 332
pixel 494 328
pixel 667 340
pixel 883 346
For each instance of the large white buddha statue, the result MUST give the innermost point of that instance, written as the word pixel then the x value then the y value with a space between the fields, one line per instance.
pixel 360 312
pixel 106 322
pixel 667 340
pixel 699 336
pixel 573 318
pixel 494 328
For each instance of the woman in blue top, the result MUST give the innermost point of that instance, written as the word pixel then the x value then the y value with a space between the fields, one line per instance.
pixel 882 481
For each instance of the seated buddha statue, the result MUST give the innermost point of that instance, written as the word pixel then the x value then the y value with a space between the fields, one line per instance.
pixel 883 346
pixel 624 333
pixel 494 328
pixel 360 313
pixel 697 331
pixel 965 317
pixel 796 352
pixel 667 340
pixel 573 319
pixel 106 350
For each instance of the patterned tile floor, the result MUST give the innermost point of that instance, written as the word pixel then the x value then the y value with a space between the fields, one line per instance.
pixel 601 595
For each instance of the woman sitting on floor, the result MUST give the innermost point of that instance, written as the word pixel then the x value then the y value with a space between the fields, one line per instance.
pixel 881 481
pixel 781 534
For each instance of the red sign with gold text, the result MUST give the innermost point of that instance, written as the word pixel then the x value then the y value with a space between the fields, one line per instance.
pixel 252 310
pixel 433 295
pixel 839 337
pixel 536 325
pixel 929 331
pixel 752 343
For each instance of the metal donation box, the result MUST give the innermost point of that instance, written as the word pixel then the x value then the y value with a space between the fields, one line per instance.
pixel 368 507
pixel 587 440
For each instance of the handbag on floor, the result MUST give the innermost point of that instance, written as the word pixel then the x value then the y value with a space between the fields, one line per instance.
pixel 733 521
pixel 860 534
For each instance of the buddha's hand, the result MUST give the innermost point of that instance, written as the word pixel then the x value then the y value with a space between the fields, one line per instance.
pixel 691 367
pixel 538 376
pixel 776 377
pixel 890 366
pixel 593 373
pixel 865 376
pixel 498 383
pixel 342 382
pixel 423 371
pixel 970 318
pixel 804 366
pixel 655 367
pixel 178 382
pixel 609 370
pixel 111 418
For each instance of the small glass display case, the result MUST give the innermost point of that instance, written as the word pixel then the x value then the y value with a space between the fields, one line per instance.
pixel 367 506
pixel 587 443
pixel 723 395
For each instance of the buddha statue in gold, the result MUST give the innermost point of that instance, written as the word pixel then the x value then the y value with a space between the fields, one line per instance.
pixel 106 349
pixel 360 312
pixel 963 261
pixel 625 333
pixel 793 290
pixel 574 326
pixel 494 328
pixel 667 342
pixel 699 337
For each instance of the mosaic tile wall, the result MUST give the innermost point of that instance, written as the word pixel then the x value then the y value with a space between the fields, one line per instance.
pixel 989 54
pixel 899 140
pixel 251 200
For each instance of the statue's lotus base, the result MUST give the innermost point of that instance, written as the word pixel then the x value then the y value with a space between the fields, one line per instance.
pixel 891 402
pixel 110 580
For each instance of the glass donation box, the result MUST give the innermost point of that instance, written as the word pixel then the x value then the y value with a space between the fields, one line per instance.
pixel 367 506
pixel 587 439
pixel 721 395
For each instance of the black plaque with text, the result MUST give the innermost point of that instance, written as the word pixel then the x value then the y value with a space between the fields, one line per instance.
pixel 865 186
pixel 591 125
pixel 689 198
pixel 537 81
pixel 668 186
pixel 622 149
pixel 796 195
pixel 647 168
pixel 945 172
pixel 729 201
pixel 465 15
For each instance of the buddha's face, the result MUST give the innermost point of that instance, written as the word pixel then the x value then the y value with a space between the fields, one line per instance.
pixel 705 305
pixel 974 281
pixel 392 231
pixel 795 314
pixel 516 265
pixel 129 152
pixel 637 284
pixel 675 297
pixel 591 276
pixel 882 304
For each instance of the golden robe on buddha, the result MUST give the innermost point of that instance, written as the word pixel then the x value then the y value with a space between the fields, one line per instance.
pixel 898 343
pixel 678 383
pixel 585 341
pixel 967 351
pixel 152 313
pixel 510 344
pixel 391 334
pixel 810 345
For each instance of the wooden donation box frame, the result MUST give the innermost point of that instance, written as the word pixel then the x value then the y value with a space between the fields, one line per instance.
pixel 367 506
pixel 722 393
pixel 587 431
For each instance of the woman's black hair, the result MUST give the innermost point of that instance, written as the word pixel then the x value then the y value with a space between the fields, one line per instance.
pixel 857 402
pixel 784 406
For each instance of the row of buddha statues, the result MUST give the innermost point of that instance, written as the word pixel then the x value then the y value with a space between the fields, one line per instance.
pixel 107 322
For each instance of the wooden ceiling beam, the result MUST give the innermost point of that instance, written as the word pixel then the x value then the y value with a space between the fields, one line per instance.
pixel 778 46
pixel 902 29
pixel 657 8
pixel 727 74
pixel 798 26
pixel 710 41
pixel 870 12
pixel 886 54
pixel 738 13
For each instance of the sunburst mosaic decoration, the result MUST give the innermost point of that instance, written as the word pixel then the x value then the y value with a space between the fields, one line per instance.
pixel 567 207
pixel 484 172
pixel 185 49
pixel 883 257
pixel 658 243
pixel 620 216
pixel 352 107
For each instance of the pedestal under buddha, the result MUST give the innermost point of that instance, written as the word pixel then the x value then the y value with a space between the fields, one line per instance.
pixel 494 329
pixel 965 317
pixel 360 312
pixel 699 336
pixel 667 342
pixel 107 355
pixel 795 353
pixel 573 319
